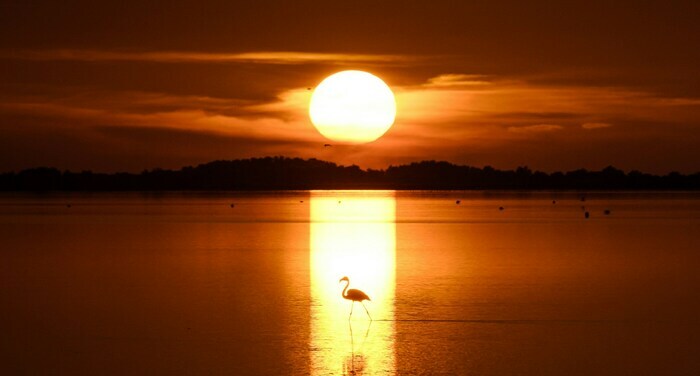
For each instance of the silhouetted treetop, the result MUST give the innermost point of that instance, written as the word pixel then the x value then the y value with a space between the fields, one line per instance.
pixel 280 173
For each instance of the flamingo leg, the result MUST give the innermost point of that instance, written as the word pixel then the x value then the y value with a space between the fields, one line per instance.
pixel 368 315
pixel 351 307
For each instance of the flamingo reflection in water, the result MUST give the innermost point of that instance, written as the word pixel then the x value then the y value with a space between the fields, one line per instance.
pixel 356 355
pixel 355 296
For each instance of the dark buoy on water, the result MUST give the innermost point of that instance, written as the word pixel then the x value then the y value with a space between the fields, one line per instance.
pixel 606 212
pixel 587 214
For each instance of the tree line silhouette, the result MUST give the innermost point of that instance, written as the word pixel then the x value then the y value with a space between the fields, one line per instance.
pixel 281 173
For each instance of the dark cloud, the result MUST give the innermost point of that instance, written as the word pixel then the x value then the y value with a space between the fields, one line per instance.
pixel 509 35
pixel 536 128
pixel 124 148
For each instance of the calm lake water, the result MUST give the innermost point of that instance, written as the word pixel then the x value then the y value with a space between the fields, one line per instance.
pixel 187 284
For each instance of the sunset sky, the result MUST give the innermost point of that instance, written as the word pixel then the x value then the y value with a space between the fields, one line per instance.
pixel 130 85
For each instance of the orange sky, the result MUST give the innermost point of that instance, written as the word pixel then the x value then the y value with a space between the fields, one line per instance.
pixel 122 86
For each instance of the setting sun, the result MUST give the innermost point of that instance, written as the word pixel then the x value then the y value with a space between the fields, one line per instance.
pixel 352 107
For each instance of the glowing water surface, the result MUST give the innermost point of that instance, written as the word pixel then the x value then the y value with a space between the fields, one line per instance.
pixel 352 236
pixel 189 284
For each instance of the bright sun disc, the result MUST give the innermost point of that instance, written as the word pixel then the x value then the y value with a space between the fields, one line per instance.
pixel 352 107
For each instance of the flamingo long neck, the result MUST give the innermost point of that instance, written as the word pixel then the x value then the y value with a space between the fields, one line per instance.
pixel 347 283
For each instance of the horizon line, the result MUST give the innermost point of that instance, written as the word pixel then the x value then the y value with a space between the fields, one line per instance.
pixel 366 169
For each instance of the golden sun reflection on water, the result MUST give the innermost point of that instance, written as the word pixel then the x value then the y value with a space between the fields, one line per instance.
pixel 352 236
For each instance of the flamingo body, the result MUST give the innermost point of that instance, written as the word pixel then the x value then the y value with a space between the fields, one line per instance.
pixel 354 295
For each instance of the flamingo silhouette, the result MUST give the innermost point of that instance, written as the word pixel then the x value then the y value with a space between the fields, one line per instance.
pixel 355 296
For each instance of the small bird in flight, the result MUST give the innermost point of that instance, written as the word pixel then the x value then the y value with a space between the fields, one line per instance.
pixel 327 145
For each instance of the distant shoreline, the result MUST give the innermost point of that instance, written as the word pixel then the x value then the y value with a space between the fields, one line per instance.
pixel 295 174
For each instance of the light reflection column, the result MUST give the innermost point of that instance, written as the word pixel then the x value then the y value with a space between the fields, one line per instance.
pixel 352 235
